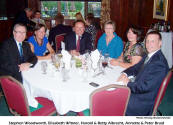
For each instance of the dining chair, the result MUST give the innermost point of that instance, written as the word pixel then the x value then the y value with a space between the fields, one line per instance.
pixel 110 100
pixel 58 39
pixel 161 92
pixel 15 96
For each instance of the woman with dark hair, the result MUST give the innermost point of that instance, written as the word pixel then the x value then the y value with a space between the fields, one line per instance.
pixel 133 50
pixel 91 28
pixel 39 43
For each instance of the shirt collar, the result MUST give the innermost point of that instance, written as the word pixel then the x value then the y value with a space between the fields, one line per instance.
pixel 151 54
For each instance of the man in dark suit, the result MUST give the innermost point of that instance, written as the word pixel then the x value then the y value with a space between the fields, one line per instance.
pixel 24 17
pixel 78 41
pixel 58 29
pixel 146 77
pixel 15 54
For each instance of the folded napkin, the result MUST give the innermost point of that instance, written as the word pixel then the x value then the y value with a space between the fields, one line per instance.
pixel 95 56
pixel 66 58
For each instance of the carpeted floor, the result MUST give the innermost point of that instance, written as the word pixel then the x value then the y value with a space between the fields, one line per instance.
pixel 165 106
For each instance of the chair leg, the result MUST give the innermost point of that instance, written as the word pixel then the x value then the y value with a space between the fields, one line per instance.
pixel 160 113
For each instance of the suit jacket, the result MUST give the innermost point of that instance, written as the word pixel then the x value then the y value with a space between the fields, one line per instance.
pixel 146 85
pixel 10 58
pixel 57 30
pixel 85 42
pixel 22 18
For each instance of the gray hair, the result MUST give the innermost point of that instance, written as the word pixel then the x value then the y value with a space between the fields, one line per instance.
pixel 109 22
pixel 17 25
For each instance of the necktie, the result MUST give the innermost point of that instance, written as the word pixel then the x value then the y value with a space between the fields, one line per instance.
pixel 146 60
pixel 20 49
pixel 21 53
pixel 78 44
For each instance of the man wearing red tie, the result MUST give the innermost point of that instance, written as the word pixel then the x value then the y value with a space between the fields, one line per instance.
pixel 78 41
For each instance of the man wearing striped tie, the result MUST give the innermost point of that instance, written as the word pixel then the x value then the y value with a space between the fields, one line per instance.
pixel 15 54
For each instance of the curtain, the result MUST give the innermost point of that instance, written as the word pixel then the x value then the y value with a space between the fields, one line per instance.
pixel 105 12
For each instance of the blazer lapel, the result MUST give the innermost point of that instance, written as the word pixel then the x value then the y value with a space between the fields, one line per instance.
pixel 15 50
pixel 146 66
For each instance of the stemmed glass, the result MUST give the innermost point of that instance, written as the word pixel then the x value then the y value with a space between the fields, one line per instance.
pixel 43 67
pixel 57 62
pixel 87 53
pixel 105 61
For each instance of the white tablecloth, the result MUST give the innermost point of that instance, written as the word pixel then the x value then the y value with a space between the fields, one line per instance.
pixel 167 46
pixel 72 95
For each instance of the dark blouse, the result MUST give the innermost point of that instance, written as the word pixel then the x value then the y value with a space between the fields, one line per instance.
pixel 92 30
pixel 136 50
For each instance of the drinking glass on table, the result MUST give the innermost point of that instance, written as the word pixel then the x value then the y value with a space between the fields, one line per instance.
pixel 85 74
pixel 44 67
pixel 59 54
pixel 53 58
pixel 57 62
pixel 105 61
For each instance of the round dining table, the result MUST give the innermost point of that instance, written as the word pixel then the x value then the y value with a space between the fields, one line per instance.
pixel 71 94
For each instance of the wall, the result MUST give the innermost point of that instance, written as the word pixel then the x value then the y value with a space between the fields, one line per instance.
pixel 5 29
pixel 34 4
pixel 138 12
pixel 12 8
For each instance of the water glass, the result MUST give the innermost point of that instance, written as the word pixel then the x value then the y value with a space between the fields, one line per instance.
pixel 65 75
pixel 44 67
pixel 53 58
pixel 85 74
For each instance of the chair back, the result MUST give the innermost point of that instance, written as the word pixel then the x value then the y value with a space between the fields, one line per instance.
pixel 15 96
pixel 58 39
pixel 161 92
pixel 110 100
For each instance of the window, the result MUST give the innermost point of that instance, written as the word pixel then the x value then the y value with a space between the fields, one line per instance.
pixel 95 8
pixel 69 8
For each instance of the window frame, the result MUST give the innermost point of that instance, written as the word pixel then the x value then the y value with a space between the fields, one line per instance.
pixel 59 6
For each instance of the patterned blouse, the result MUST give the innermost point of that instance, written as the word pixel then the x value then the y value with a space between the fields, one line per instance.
pixel 136 50
pixel 92 30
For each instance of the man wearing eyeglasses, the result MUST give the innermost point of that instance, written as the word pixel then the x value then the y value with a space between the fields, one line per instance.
pixel 15 54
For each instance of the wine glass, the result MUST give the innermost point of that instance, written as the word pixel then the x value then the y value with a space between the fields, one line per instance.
pixel 105 61
pixel 87 53
pixel 59 54
pixel 44 67
pixel 57 62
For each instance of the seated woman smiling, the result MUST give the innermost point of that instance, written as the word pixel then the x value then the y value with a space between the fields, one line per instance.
pixel 110 43
pixel 133 50
pixel 39 43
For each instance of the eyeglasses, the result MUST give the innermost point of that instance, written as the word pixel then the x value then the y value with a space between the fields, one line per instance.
pixel 19 32
pixel 108 28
